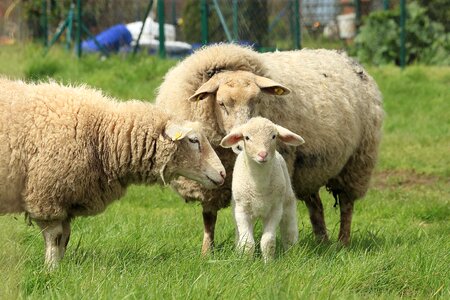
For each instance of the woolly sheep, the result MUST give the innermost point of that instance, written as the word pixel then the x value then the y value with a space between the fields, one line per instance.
pixel 71 151
pixel 323 94
pixel 261 187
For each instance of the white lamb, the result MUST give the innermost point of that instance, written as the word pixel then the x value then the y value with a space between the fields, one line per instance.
pixel 261 187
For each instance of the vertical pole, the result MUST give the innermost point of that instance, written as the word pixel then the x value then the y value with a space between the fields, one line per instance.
pixel 174 13
pixel 204 19
pixel 69 27
pixel 358 13
pixel 162 37
pixel 297 28
pixel 386 4
pixel 235 20
pixel 44 23
pixel 78 32
pixel 402 33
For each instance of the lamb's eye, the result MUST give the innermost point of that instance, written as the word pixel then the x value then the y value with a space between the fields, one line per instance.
pixel 247 138
pixel 221 104
pixel 273 136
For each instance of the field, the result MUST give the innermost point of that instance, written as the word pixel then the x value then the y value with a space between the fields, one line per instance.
pixel 147 245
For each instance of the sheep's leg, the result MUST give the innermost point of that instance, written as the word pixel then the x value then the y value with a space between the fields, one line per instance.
pixel 289 225
pixel 52 232
pixel 245 242
pixel 209 223
pixel 65 237
pixel 346 207
pixel 269 234
pixel 317 217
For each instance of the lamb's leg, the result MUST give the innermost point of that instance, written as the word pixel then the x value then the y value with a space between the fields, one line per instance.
pixel 209 223
pixel 289 225
pixel 65 237
pixel 52 232
pixel 245 242
pixel 269 234
pixel 317 217
pixel 346 207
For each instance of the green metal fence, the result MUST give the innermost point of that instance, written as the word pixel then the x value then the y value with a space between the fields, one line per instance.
pixel 265 24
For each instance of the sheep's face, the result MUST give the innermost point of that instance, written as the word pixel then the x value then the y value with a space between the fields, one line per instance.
pixel 194 157
pixel 259 137
pixel 237 96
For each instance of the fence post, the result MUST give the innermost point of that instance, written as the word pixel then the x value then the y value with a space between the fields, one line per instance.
pixel 297 28
pixel 402 33
pixel 358 13
pixel 162 37
pixel 78 32
pixel 44 23
pixel 386 4
pixel 235 20
pixel 204 21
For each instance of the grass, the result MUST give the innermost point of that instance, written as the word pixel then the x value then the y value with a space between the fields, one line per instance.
pixel 147 244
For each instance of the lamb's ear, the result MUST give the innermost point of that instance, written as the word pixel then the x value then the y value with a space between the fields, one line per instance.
pixel 232 139
pixel 288 137
pixel 271 87
pixel 176 132
pixel 209 87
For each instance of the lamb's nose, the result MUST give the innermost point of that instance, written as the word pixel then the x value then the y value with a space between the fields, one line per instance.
pixel 262 154
pixel 223 174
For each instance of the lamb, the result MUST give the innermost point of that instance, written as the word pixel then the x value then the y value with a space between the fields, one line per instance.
pixel 261 187
pixel 71 151
pixel 323 94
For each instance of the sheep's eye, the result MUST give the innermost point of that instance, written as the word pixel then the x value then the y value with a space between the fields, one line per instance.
pixel 273 136
pixel 221 104
pixel 247 138
pixel 194 140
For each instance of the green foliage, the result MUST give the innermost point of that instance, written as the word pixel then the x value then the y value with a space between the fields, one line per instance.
pixel 138 80
pixel 378 41
pixel 42 68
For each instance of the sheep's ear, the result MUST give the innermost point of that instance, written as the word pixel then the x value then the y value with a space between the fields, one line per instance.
pixel 231 139
pixel 271 87
pixel 176 132
pixel 209 87
pixel 288 137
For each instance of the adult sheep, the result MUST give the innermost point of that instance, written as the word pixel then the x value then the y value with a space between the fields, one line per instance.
pixel 71 151
pixel 323 95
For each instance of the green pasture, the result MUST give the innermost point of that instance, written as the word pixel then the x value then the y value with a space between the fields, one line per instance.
pixel 147 245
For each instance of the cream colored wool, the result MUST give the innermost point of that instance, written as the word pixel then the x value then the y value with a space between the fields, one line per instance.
pixel 70 151
pixel 333 104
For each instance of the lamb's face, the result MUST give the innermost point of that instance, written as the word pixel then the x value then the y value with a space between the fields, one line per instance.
pixel 194 157
pixel 259 137
pixel 237 96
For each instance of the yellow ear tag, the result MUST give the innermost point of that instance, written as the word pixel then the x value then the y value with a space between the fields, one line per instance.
pixel 199 97
pixel 278 91
pixel 177 136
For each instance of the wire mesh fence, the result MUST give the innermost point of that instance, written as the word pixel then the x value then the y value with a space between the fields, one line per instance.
pixel 265 24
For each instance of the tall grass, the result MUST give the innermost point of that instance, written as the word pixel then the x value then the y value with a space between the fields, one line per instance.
pixel 147 244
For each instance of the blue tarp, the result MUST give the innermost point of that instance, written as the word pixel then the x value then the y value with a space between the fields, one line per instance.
pixel 112 39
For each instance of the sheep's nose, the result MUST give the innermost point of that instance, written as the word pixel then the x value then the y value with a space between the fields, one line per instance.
pixel 223 174
pixel 262 154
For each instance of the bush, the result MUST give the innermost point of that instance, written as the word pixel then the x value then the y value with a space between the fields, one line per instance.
pixel 378 41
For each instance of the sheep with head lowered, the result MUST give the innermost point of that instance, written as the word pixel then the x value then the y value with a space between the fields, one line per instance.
pixel 261 187
pixel 324 94
pixel 70 151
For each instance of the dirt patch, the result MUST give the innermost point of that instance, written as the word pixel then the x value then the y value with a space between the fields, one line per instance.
pixel 388 179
